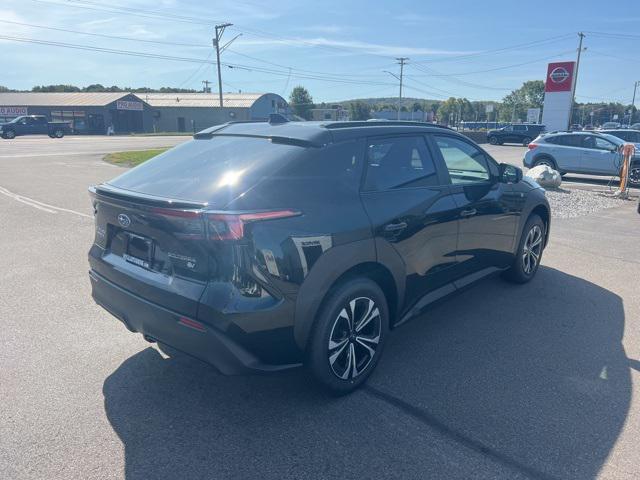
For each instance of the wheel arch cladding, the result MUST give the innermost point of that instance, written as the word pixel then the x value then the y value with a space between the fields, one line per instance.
pixel 358 259
pixel 543 212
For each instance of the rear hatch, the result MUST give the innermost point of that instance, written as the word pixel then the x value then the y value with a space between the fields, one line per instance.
pixel 147 248
pixel 154 224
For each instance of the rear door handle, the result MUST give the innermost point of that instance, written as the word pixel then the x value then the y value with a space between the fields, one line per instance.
pixel 468 213
pixel 394 227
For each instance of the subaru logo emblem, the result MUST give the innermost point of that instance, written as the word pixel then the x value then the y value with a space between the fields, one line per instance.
pixel 124 220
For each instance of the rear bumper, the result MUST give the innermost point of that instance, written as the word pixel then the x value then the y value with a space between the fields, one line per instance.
pixel 184 334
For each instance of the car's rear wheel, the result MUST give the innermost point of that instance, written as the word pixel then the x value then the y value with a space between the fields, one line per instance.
pixel 493 140
pixel 526 141
pixel 349 335
pixel 634 176
pixel 9 134
pixel 527 259
pixel 58 133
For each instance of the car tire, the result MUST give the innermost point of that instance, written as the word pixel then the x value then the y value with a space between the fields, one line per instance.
pixel 526 141
pixel 58 133
pixel 529 253
pixel 493 140
pixel 348 335
pixel 545 161
pixel 634 176
pixel 9 134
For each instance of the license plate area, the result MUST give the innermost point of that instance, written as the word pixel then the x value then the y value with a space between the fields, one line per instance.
pixel 139 250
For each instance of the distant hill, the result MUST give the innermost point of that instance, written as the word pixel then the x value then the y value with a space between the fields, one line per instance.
pixel 390 101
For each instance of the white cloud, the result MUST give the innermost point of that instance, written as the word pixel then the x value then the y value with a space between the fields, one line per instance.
pixel 354 45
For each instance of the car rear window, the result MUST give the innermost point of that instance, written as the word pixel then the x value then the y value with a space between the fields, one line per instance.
pixel 209 170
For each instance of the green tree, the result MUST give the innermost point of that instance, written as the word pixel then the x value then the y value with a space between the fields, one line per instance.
pixel 55 88
pixel 515 105
pixel 301 102
pixel 447 111
pixel 359 111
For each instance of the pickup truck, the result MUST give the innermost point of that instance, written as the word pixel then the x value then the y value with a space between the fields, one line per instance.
pixel 33 125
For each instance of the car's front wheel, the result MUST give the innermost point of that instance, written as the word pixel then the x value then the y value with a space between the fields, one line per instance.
pixel 527 259
pixel 9 134
pixel 348 335
pixel 493 140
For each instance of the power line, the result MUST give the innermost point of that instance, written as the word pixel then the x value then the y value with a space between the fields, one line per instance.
pixel 159 42
pixel 190 60
pixel 102 35
pixel 494 69
pixel 498 50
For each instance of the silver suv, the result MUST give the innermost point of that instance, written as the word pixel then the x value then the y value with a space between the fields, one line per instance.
pixel 590 153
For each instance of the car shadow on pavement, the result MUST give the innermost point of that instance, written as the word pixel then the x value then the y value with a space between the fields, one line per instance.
pixel 532 378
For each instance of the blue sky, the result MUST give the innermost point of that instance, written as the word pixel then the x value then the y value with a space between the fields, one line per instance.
pixel 337 49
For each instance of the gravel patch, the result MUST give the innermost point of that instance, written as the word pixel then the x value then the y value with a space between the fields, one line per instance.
pixel 576 203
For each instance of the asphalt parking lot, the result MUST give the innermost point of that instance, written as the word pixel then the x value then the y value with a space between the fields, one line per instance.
pixel 501 381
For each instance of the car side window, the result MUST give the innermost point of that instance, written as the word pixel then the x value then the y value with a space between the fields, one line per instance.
pixel 399 162
pixel 520 128
pixel 466 163
pixel 338 161
pixel 568 140
pixel 597 143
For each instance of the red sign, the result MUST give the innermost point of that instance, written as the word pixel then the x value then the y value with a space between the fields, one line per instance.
pixel 559 77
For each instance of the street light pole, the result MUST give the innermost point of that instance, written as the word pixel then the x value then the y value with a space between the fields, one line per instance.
pixel 216 43
pixel 401 61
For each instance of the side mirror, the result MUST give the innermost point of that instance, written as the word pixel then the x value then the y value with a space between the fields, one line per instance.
pixel 510 173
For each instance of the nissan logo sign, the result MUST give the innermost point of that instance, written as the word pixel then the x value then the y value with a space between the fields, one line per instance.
pixel 124 220
pixel 559 75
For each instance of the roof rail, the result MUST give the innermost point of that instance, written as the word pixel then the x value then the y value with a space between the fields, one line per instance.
pixel 381 123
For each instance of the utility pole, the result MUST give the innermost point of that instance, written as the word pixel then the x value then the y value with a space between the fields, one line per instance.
pixel 216 43
pixel 401 61
pixel 575 79
pixel 633 102
pixel 205 86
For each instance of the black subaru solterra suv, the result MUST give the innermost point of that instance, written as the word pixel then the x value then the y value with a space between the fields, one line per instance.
pixel 262 246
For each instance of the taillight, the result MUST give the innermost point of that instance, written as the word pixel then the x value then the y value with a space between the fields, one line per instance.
pixel 532 146
pixel 230 226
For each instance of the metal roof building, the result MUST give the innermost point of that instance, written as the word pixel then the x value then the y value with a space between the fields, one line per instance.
pixel 87 112
pixel 90 112
pixel 195 111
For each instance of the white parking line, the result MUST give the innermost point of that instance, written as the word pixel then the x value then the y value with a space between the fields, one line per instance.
pixel 45 207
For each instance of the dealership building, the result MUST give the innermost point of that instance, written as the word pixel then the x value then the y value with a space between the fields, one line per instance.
pixel 95 112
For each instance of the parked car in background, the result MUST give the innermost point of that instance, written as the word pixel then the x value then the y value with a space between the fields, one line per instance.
pixel 610 125
pixel 628 135
pixel 33 125
pixel 258 247
pixel 635 126
pixel 588 127
pixel 591 153
pixel 576 127
pixel 521 133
